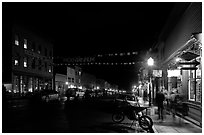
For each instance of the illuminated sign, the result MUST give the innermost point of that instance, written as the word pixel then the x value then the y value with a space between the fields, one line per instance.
pixel 173 73
pixel 79 59
pixel 157 73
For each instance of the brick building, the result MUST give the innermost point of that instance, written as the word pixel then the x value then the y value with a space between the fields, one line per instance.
pixel 29 61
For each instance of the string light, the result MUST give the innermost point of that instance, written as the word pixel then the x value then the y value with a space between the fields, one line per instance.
pixel 98 63
pixel 102 55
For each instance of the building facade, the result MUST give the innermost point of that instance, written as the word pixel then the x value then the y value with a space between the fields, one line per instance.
pixel 71 77
pixel 31 62
pixel 61 83
pixel 179 55
pixel 78 74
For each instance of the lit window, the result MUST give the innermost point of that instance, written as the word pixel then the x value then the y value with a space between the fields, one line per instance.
pixel 16 40
pixel 39 49
pixel 49 70
pixel 25 44
pixel 25 62
pixel 16 62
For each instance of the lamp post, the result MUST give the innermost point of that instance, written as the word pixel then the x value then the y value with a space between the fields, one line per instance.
pixel 150 63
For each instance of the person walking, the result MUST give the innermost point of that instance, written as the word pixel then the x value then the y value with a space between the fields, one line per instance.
pixel 159 101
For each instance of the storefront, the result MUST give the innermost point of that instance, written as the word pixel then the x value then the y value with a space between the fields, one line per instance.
pixel 23 84
pixel 184 75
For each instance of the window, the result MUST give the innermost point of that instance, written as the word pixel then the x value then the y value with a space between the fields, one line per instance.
pixel 16 40
pixel 40 64
pixel 73 80
pixel 194 85
pixel 33 63
pixel 45 66
pixel 33 47
pixel 50 53
pixel 50 69
pixel 45 51
pixel 25 62
pixel 16 62
pixel 25 44
pixel 39 49
pixel 69 79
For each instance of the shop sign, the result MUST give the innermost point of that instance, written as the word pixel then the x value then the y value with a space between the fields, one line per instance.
pixel 157 73
pixel 173 73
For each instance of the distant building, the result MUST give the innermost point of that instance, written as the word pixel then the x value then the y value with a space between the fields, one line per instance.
pixel 29 60
pixel 78 73
pixel 88 81
pixel 71 77
pixel 61 83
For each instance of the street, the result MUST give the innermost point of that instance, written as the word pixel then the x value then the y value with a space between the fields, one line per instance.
pixel 94 116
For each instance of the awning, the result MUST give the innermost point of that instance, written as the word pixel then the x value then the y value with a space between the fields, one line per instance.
pixel 188 56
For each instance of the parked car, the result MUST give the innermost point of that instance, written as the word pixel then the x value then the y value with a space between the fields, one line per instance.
pixel 126 98
pixel 50 95
pixel 70 94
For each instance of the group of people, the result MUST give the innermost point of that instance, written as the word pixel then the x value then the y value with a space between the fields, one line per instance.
pixel 165 100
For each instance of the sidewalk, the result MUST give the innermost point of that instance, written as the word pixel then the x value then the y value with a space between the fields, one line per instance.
pixel 174 125
pixel 170 124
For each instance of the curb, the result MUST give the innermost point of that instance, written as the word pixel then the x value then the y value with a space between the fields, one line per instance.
pixel 155 131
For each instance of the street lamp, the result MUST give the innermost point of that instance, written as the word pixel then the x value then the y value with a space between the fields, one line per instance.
pixel 150 63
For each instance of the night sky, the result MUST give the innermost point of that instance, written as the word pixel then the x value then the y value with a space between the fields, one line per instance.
pixel 87 29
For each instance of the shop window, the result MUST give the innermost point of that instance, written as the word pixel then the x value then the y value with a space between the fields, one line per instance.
pixel 25 44
pixel 16 83
pixel 16 40
pixel 194 85
pixel 25 62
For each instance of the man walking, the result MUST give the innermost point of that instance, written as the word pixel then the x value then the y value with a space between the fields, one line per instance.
pixel 159 101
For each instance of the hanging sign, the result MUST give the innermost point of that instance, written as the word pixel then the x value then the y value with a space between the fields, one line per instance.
pixel 173 73
pixel 157 73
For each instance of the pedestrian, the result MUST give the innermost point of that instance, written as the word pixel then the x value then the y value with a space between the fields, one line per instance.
pixel 173 102
pixel 159 101
pixel 145 95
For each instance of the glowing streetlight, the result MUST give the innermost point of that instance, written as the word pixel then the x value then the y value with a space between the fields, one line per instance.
pixel 150 61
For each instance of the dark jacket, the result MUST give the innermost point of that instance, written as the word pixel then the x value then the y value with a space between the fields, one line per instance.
pixel 160 98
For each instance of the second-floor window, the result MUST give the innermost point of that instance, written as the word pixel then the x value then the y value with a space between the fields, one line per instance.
pixel 16 62
pixel 33 63
pixel 16 40
pixel 72 80
pixel 25 62
pixel 33 46
pixel 25 44
pixel 45 51
pixel 45 66
pixel 40 65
